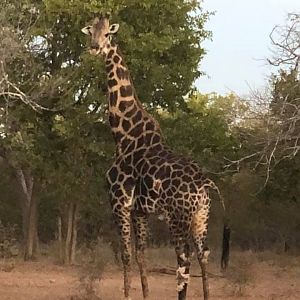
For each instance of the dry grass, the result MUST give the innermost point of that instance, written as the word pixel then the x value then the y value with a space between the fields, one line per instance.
pixel 240 274
pixel 264 275
pixel 164 256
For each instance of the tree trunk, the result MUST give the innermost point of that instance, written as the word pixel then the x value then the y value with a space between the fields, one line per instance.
pixel 31 242
pixel 60 241
pixel 29 205
pixel 74 234
pixel 67 234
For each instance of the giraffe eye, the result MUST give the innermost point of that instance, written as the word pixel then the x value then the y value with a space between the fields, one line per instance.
pixel 106 34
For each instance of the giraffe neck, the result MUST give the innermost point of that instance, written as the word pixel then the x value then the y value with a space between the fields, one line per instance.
pixel 128 119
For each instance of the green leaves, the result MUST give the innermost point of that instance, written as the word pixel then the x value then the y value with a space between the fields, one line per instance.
pixel 68 146
pixel 204 130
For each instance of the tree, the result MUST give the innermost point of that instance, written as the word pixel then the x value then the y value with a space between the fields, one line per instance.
pixel 272 124
pixel 52 111
pixel 206 129
pixel 285 42
pixel 18 69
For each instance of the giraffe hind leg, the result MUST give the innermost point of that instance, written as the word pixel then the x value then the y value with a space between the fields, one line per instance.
pixel 183 270
pixel 203 260
pixel 199 231
pixel 140 230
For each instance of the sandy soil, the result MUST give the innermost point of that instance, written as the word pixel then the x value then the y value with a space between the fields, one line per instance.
pixel 45 281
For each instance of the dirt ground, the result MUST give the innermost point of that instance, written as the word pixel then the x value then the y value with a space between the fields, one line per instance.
pixel 249 277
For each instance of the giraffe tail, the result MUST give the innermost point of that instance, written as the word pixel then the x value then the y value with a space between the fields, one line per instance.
pixel 226 229
pixel 225 246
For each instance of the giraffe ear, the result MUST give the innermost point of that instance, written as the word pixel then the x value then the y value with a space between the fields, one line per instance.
pixel 113 28
pixel 86 30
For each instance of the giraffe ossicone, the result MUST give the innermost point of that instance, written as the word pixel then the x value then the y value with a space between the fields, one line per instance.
pixel 146 176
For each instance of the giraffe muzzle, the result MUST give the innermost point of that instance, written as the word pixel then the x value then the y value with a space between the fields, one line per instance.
pixel 94 48
pixel 94 51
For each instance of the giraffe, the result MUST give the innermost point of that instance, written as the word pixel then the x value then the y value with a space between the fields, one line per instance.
pixel 146 176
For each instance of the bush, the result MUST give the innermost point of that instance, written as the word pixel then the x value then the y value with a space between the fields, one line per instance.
pixel 8 240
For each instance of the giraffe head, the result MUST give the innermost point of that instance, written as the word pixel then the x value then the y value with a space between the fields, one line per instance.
pixel 101 33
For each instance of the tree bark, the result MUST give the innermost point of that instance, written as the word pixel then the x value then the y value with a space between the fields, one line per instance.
pixel 60 240
pixel 67 234
pixel 29 205
pixel 74 234
pixel 31 243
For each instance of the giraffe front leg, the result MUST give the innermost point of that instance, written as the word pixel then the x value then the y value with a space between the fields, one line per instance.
pixel 122 198
pixel 140 230
pixel 123 219
pixel 126 259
